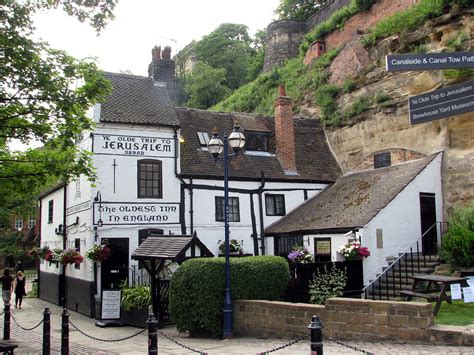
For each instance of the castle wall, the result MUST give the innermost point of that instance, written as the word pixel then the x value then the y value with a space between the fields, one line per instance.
pixel 323 14
pixel 283 42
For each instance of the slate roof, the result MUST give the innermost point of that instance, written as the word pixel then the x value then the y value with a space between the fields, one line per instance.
pixel 168 247
pixel 352 201
pixel 135 100
pixel 314 159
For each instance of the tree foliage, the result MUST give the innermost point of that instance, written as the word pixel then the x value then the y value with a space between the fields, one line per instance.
pixel 44 97
pixel 228 49
pixel 205 87
pixel 298 9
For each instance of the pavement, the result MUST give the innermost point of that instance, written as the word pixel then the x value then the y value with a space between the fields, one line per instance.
pixel 86 338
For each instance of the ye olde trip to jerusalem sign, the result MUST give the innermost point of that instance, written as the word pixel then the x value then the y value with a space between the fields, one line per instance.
pixel 430 61
pixel 126 213
pixel 110 144
pixel 449 101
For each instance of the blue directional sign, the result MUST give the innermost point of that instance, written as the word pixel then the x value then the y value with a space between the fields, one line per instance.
pixel 430 61
pixel 446 102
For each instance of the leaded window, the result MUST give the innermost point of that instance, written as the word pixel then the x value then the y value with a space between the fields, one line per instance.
pixel 149 179
pixel 234 214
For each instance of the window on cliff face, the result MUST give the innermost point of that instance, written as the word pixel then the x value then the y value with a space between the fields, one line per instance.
pixel 381 160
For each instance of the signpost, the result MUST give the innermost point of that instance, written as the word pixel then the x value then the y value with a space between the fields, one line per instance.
pixel 430 61
pixel 446 102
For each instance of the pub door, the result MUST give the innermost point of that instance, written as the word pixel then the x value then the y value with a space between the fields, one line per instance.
pixel 114 270
pixel 428 219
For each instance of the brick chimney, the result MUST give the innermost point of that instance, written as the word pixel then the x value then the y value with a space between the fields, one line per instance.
pixel 285 132
pixel 162 70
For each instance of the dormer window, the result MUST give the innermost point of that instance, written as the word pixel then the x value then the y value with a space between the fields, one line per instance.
pixel 203 138
pixel 257 141
pixel 382 160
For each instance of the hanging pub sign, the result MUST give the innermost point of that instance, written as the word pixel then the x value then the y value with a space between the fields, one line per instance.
pixel 114 144
pixel 128 213
pixel 445 102
pixel 429 61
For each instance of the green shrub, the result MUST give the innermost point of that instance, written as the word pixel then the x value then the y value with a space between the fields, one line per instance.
pixel 325 98
pixel 364 5
pixel 335 21
pixel 135 296
pixel 457 43
pixel 406 20
pixel 457 73
pixel 327 285
pixel 361 104
pixel 382 97
pixel 458 243
pixel 197 288
pixel 348 86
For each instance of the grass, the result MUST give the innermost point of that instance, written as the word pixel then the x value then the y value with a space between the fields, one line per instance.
pixel 457 313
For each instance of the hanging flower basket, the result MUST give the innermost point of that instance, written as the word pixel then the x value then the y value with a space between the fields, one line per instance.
pixel 40 252
pixel 300 255
pixel 70 256
pixel 354 251
pixel 234 247
pixel 98 253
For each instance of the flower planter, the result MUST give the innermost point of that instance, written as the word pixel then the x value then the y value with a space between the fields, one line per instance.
pixel 135 317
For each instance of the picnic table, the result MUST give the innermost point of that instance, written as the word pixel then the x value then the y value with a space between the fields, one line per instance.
pixel 433 288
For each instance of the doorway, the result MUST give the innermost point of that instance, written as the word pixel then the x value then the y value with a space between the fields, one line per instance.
pixel 428 223
pixel 114 270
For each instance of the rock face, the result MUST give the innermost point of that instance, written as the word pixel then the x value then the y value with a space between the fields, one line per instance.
pixel 385 126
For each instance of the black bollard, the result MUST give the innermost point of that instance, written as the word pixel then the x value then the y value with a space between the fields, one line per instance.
pixel 46 331
pixel 65 333
pixel 152 335
pixel 316 336
pixel 6 323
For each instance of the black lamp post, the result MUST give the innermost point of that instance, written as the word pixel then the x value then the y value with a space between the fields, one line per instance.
pixel 236 140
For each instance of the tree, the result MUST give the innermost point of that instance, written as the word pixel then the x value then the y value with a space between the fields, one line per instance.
pixel 256 61
pixel 227 47
pixel 298 9
pixel 205 87
pixel 44 97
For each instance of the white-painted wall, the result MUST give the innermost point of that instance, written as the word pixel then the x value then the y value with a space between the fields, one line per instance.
pixel 400 220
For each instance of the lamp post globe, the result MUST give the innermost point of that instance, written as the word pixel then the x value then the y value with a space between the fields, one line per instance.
pixel 236 140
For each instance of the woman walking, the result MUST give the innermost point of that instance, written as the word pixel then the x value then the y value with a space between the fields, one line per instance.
pixel 19 288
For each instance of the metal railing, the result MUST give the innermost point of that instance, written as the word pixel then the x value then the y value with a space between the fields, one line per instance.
pixel 398 273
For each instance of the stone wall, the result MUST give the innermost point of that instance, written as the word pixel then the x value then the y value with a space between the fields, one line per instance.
pixel 345 318
pixel 283 42
pixel 323 14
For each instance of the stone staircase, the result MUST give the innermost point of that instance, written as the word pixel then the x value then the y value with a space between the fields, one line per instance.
pixel 396 276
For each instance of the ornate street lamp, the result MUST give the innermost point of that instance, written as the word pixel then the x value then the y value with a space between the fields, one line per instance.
pixel 236 140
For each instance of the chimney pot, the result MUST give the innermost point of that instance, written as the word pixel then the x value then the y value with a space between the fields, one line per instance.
pixel 281 90
pixel 166 54
pixel 156 53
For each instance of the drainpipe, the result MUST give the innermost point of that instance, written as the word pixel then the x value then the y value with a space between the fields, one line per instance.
pixel 39 232
pixel 254 226
pixel 184 186
pixel 191 206
pixel 260 206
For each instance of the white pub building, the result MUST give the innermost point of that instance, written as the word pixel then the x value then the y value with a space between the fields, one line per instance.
pixel 155 176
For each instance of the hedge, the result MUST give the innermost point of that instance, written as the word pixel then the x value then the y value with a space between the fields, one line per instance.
pixel 197 289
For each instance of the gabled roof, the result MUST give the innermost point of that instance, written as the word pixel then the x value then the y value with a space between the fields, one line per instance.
pixel 171 247
pixel 352 201
pixel 136 100
pixel 314 159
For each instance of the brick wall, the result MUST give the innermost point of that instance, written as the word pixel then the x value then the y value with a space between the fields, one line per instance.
pixel 285 133
pixel 397 155
pixel 342 318
pixel 346 319
pixel 361 22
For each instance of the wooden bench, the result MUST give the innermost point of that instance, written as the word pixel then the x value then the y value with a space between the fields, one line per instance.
pixel 7 348
pixel 429 296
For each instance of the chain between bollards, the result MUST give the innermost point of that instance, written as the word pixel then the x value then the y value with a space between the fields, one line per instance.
pixel 316 336
pixel 152 335
pixel 46 331
pixel 6 323
pixel 65 332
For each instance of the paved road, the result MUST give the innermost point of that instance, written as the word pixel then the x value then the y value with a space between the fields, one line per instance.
pixel 30 341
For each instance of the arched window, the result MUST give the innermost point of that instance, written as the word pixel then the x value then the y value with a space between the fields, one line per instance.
pixel 150 183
